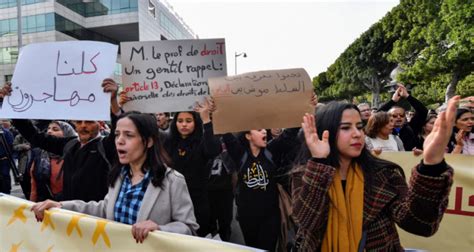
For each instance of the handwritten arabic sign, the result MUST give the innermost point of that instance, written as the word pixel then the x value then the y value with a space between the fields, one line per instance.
pixel 61 80
pixel 456 229
pixel 261 100
pixel 168 76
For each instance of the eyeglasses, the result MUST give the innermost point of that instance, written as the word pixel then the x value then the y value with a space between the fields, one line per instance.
pixel 398 115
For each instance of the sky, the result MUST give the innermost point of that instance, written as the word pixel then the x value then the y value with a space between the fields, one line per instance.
pixel 307 34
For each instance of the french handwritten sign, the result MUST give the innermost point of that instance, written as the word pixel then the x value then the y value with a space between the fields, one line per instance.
pixel 61 80
pixel 170 75
pixel 261 100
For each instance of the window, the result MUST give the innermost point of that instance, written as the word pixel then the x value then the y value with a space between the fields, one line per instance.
pixel 8 55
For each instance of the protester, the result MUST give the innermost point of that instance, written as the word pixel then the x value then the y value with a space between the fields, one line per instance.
pixel 426 130
pixel 86 158
pixel 462 141
pixel 45 169
pixel 143 191
pixel 379 134
pixel 346 199
pixel 257 194
pixel 407 131
pixel 192 145
pixel 5 160
pixel 163 120
pixel 221 188
pixel 23 150
pixel 365 112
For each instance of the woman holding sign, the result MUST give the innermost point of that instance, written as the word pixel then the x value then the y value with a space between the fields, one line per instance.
pixel 345 199
pixel 191 145
pixel 143 191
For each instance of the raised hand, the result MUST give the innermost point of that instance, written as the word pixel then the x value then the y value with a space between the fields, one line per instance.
pixel 110 86
pixel 314 100
pixel 435 143
pixel 204 109
pixel 141 229
pixel 318 148
pixel 6 90
pixel 123 98
pixel 397 95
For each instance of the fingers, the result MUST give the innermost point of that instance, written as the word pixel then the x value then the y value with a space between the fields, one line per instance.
pixel 325 136
pixel 451 110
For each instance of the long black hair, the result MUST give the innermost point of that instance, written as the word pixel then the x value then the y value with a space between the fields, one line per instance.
pixel 175 137
pixel 156 157
pixel 452 140
pixel 329 118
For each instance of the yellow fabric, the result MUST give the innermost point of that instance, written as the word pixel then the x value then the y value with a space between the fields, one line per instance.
pixel 344 229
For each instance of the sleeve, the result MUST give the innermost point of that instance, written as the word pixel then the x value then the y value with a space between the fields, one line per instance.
pixel 42 140
pixel 19 144
pixel 419 207
pixel 212 146
pixel 91 208
pixel 310 199
pixel 399 143
pixel 284 143
pixel 33 193
pixel 109 141
pixel 182 211
pixel 417 122
pixel 234 147
pixel 386 106
pixel 368 143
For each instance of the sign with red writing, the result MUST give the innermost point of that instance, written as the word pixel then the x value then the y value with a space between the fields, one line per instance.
pixel 170 75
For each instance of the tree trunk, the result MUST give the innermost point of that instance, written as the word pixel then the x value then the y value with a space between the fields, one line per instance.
pixel 451 89
pixel 375 97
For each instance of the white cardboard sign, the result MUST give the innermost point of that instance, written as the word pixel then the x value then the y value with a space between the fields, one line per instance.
pixel 170 75
pixel 61 80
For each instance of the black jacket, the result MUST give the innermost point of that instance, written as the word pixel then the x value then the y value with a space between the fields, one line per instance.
pixel 410 131
pixel 85 169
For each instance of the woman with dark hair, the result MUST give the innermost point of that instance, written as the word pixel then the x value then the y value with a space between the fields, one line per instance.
pixel 143 191
pixel 46 168
pixel 345 199
pixel 379 134
pixel 426 130
pixel 191 144
pixel 462 140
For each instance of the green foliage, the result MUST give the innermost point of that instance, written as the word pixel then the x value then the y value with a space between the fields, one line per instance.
pixel 433 42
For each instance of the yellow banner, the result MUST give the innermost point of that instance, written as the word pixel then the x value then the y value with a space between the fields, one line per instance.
pixel 63 230
pixel 456 232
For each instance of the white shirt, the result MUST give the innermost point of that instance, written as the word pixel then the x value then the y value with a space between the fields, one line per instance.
pixel 385 145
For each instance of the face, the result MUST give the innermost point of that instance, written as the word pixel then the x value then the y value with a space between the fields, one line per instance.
pixel 465 122
pixel 130 145
pixel 388 128
pixel 257 138
pixel 185 124
pixel 398 115
pixel 162 120
pixel 87 130
pixel 350 136
pixel 55 130
pixel 276 132
pixel 365 112
pixel 429 125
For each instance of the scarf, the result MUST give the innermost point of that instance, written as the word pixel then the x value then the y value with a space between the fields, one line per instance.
pixel 344 228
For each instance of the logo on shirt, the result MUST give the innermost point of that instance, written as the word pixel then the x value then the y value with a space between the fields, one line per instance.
pixel 256 177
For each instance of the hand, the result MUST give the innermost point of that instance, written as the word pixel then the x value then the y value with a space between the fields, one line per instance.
pixel 40 207
pixel 377 151
pixel 140 230
pixel 436 142
pixel 123 98
pixel 314 100
pixel 318 148
pixel 397 95
pixel 417 152
pixel 204 109
pixel 459 136
pixel 6 90
pixel 404 90
pixel 110 86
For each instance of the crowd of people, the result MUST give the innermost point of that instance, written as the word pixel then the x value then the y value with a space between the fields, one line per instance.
pixel 170 172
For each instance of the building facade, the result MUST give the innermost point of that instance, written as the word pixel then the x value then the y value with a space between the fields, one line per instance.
pixel 110 21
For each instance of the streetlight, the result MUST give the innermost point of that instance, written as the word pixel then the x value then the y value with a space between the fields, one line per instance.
pixel 237 55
